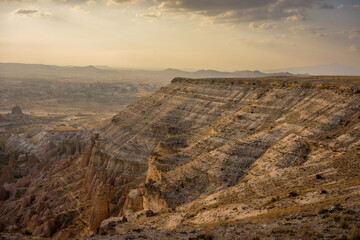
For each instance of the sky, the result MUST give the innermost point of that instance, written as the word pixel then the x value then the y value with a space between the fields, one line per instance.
pixel 187 34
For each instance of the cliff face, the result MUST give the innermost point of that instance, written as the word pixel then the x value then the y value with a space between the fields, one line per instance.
pixel 223 128
pixel 197 137
pixel 198 143
pixel 39 189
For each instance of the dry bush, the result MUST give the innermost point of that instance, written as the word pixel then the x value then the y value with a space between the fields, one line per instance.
pixel 342 222
pixel 355 233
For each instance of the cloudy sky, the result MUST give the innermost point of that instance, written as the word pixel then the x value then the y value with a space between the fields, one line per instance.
pixel 187 34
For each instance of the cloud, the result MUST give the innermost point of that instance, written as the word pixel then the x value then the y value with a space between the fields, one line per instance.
pixel 78 10
pixel 32 12
pixel 354 33
pixel 75 2
pixel 124 1
pixel 315 31
pixel 295 18
pixel 318 31
pixel 271 41
pixel 235 11
pixel 149 14
pixel 324 5
pixel 26 11
pixel 257 42
pixel 14 1
pixel 295 15
pixel 353 48
pixel 262 27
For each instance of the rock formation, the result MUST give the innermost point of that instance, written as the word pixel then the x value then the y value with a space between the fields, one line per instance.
pixel 200 151
pixel 16 112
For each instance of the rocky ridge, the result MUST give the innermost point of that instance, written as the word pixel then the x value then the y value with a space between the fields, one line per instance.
pixel 204 152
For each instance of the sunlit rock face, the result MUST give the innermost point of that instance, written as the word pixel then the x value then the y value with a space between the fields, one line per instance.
pixel 196 137
pixel 190 139
pixel 221 128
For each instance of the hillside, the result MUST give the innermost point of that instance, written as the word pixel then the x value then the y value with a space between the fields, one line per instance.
pixel 272 157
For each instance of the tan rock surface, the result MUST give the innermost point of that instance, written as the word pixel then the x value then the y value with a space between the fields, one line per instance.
pixel 209 151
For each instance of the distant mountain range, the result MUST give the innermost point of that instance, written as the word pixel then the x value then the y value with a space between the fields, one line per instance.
pixel 91 73
pixel 329 69
pixel 219 74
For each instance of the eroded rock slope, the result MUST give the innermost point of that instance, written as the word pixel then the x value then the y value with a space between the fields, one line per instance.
pixel 200 151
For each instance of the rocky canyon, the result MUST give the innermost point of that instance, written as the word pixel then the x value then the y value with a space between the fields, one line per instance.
pixel 218 158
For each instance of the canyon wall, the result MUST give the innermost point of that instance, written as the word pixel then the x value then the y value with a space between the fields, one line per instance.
pixel 191 139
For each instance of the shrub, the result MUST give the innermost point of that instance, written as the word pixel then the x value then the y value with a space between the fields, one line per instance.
pixel 293 194
pixel 355 233
pixel 342 222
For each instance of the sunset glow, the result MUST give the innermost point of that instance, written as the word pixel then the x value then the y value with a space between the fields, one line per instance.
pixel 223 35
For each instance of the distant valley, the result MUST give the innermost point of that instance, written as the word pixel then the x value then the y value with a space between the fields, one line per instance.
pixel 46 89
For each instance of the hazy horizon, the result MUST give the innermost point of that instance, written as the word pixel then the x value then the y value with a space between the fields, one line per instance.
pixel 158 34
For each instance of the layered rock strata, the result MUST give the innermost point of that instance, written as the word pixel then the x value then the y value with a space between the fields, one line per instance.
pixel 194 139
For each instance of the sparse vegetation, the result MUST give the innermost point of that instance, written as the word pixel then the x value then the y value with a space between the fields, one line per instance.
pixel 283 230
pixel 293 194
pixel 355 233
pixel 274 199
pixel 342 222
